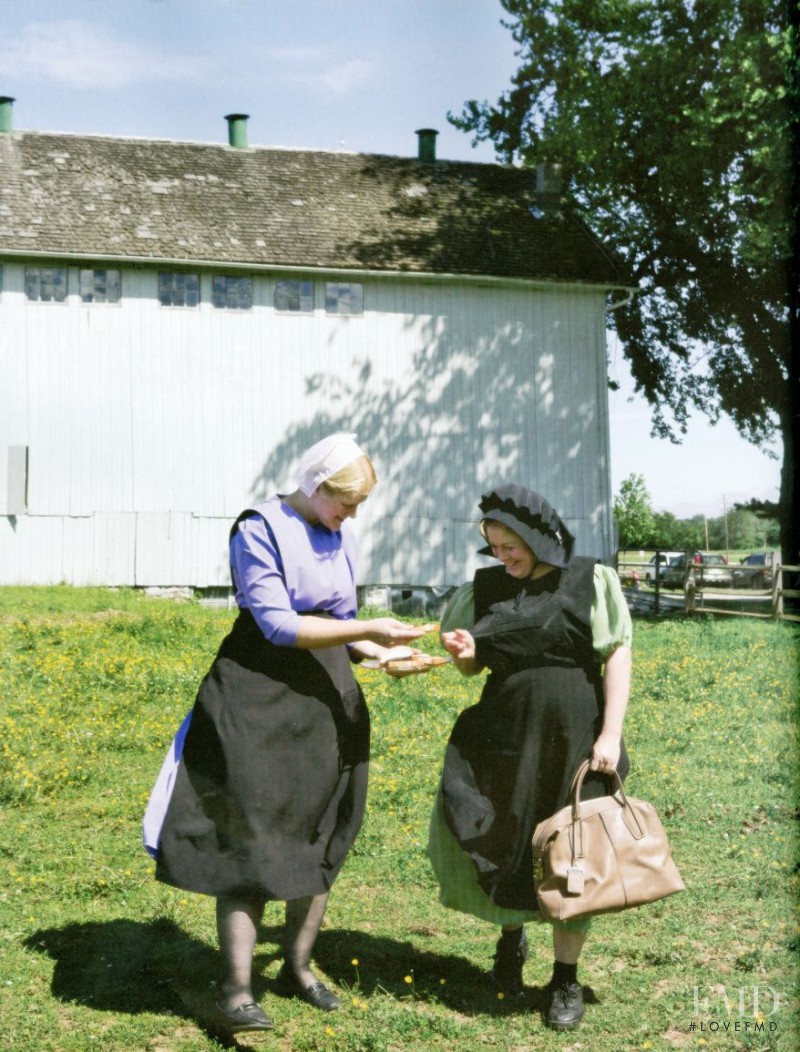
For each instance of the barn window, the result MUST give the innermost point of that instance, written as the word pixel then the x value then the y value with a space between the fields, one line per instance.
pixel 100 286
pixel 344 297
pixel 294 295
pixel 46 284
pixel 178 290
pixel 231 293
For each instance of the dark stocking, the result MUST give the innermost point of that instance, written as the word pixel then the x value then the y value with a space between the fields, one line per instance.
pixel 303 921
pixel 237 929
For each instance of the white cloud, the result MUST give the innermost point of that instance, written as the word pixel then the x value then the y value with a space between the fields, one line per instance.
pixel 312 67
pixel 82 55
pixel 344 78
pixel 296 54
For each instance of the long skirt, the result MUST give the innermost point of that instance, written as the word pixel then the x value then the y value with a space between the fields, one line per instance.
pixel 509 764
pixel 270 790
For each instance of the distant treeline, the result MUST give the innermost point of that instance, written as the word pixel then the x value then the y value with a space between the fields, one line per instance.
pixel 739 529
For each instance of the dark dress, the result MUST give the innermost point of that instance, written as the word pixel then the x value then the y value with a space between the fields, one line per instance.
pixel 271 790
pixel 511 758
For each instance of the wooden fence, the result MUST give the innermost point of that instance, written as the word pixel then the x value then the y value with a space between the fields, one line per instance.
pixel 698 596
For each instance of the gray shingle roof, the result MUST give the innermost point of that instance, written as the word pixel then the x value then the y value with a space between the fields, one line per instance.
pixel 67 195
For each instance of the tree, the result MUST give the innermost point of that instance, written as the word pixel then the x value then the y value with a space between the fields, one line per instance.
pixel 676 124
pixel 633 514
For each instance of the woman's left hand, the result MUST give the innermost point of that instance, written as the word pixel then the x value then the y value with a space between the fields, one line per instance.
pixel 605 753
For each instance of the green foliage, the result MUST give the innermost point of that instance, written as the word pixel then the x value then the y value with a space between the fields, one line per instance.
pixel 675 123
pixel 96 954
pixel 633 513
pixel 740 530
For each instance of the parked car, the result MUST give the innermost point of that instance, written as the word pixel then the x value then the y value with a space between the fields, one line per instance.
pixel 665 559
pixel 710 569
pixel 754 571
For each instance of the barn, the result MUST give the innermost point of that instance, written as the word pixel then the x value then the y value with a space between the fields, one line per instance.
pixel 179 320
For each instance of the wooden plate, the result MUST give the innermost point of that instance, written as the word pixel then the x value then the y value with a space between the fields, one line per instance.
pixel 412 666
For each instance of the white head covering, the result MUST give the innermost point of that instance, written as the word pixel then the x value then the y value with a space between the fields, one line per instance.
pixel 324 459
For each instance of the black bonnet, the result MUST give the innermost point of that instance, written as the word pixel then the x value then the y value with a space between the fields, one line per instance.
pixel 531 518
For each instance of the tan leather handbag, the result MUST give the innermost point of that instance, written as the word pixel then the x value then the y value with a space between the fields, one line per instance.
pixel 600 856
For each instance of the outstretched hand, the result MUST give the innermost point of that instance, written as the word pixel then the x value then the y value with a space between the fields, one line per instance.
pixel 459 644
pixel 389 632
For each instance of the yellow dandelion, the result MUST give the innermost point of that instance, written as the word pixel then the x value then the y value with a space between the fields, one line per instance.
pixel 330 1031
pixel 409 979
pixel 355 961
pixel 501 996
pixel 442 982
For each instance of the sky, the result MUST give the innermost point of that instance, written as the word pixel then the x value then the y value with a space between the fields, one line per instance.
pixel 357 75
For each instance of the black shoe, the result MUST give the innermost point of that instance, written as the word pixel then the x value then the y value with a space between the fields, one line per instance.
pixel 248 1016
pixel 509 957
pixel 565 1006
pixel 317 994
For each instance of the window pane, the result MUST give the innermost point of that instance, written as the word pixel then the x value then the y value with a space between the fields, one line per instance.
pixel 166 289
pixel 344 297
pixel 99 286
pixel 86 285
pixel 244 300
pixel 293 295
pixel 46 284
pixel 218 292
pixel 32 283
pixel 232 293
pixel 58 284
pixel 192 294
pixel 178 290
pixel 113 286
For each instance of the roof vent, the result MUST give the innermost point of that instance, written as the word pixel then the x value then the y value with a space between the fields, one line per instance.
pixel 237 130
pixel 6 117
pixel 426 148
pixel 548 177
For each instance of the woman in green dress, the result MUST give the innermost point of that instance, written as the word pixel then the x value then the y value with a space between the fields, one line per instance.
pixel 554 631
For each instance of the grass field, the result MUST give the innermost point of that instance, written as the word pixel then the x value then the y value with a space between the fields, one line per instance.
pixel 95 955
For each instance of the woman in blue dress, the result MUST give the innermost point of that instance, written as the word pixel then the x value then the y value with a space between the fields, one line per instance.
pixel 554 631
pixel 270 790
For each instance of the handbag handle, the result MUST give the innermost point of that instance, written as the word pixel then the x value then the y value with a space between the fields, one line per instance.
pixel 575 796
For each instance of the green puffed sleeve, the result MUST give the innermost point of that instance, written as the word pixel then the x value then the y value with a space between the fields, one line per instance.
pixel 611 618
pixel 460 609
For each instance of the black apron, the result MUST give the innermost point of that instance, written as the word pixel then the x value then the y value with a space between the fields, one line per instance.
pixel 511 758
pixel 271 790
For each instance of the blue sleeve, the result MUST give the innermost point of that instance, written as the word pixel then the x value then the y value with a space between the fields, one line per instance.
pixel 260 581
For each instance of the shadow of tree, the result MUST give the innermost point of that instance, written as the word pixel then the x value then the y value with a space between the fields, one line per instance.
pixel 484 388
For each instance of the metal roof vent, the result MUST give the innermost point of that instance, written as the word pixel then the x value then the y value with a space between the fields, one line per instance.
pixel 237 130
pixel 548 177
pixel 547 202
pixel 6 116
pixel 426 140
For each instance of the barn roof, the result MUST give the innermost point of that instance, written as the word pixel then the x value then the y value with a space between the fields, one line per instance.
pixel 89 196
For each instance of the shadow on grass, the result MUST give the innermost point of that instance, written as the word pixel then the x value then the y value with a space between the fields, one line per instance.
pixel 130 967
pixel 385 965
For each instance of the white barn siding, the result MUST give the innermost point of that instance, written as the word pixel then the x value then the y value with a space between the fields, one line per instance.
pixel 150 428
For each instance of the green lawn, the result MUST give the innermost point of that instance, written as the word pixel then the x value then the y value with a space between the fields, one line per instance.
pixel 96 955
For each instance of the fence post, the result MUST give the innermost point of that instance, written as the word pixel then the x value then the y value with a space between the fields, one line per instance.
pixel 689 591
pixel 777 591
